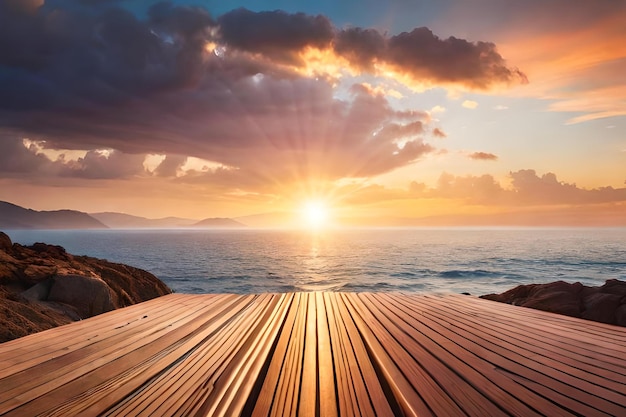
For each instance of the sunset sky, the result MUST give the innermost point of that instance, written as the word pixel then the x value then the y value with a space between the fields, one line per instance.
pixel 388 113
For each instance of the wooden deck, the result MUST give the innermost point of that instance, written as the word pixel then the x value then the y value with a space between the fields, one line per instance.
pixel 318 354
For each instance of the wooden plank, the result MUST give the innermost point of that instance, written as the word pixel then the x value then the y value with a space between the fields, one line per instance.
pixel 53 371
pixel 20 353
pixel 562 326
pixel 566 340
pixel 278 394
pixel 268 390
pixel 354 389
pixel 580 360
pixel 92 347
pixel 195 372
pixel 374 392
pixel 480 363
pixel 380 346
pixel 415 390
pixel 604 395
pixel 308 405
pixel 326 372
pixel 346 403
pixel 174 392
pixel 42 338
pixel 73 379
pixel 237 403
pixel 286 403
pixel 241 372
pixel 593 328
pixel 462 380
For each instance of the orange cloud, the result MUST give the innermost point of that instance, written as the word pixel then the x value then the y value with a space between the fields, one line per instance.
pixel 483 156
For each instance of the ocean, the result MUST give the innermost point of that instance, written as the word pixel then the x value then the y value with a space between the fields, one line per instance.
pixel 476 261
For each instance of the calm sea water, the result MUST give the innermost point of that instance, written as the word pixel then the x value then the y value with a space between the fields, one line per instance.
pixel 412 260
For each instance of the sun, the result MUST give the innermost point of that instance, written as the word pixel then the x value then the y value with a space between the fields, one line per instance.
pixel 315 214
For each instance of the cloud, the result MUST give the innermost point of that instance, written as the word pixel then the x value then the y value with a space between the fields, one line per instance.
pixel 423 55
pixel 597 103
pixel 483 156
pixel 469 104
pixel 418 56
pixel 104 165
pixel 15 158
pixel 437 132
pixel 180 82
pixel 438 109
pixel 275 34
pixel 28 161
pixel 527 189
pixel 361 47
pixel 170 165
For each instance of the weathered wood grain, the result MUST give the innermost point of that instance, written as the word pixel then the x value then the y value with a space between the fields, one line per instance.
pixel 318 354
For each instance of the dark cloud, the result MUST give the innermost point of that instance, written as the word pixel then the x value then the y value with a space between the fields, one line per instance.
pixel 361 47
pixel 423 55
pixel 15 158
pixel 483 156
pixel 28 162
pixel 276 34
pixel 23 6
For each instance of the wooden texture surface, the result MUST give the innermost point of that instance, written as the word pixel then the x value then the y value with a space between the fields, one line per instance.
pixel 318 354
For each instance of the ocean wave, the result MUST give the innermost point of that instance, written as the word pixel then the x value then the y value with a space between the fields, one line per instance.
pixel 473 273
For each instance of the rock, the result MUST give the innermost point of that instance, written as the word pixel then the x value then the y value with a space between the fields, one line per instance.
pixel 614 286
pixel 601 307
pixel 620 315
pixel 43 286
pixel 5 242
pixel 560 302
pixel 88 296
pixel 38 292
pixel 606 304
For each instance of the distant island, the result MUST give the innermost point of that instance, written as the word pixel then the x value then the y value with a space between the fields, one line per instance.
pixel 15 217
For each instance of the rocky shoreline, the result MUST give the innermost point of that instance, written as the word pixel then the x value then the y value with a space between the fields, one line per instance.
pixel 42 286
pixel 604 304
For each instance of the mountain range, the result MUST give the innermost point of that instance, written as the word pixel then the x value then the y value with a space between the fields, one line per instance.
pixel 15 217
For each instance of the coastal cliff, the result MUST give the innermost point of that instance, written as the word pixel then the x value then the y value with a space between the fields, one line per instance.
pixel 605 304
pixel 42 286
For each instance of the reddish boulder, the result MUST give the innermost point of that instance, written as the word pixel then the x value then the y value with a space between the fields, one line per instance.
pixel 88 296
